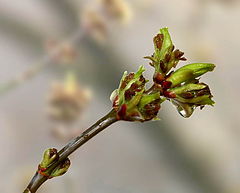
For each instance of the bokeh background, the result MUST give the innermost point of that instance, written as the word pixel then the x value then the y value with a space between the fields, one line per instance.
pixel 42 42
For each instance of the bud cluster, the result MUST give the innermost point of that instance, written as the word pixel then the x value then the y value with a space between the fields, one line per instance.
pixel 182 86
pixel 133 102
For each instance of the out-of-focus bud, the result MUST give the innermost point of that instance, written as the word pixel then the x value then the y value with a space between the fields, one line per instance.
pixel 117 9
pixel 50 155
pixel 189 72
pixel 68 100
pixel 63 53
pixel 94 24
pixel 61 169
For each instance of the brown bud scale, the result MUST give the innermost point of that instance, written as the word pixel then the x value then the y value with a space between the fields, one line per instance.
pixel 169 94
pixel 53 152
pixel 158 78
pixel 167 58
pixel 178 54
pixel 158 40
pixel 187 95
pixel 122 112
pixel 166 84
pixel 163 66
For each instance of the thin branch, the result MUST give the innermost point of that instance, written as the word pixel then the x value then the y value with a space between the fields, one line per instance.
pixel 72 146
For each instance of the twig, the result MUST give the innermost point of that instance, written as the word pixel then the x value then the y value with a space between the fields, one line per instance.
pixel 132 101
pixel 72 146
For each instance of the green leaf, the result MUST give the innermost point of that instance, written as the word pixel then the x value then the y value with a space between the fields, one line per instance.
pixel 190 72
pixel 146 99
pixel 163 46
pixel 167 43
pixel 180 76
pixel 201 100
pixel 187 88
pixel 198 68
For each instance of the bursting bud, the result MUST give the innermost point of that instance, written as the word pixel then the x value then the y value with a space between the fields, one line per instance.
pixel 126 98
pixel 162 44
pixel 190 96
pixel 181 87
pixel 185 91
pixel 61 169
pixel 165 57
pixel 132 102
pixel 50 155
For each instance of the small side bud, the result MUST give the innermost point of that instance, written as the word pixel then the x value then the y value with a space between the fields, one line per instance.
pixel 50 155
pixel 61 169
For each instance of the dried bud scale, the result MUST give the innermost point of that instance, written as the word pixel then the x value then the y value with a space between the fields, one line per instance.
pixel 98 17
pixel 50 157
pixel 94 24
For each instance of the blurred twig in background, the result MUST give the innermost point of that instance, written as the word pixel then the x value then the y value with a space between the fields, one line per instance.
pixel 59 51
pixel 66 103
pixel 92 23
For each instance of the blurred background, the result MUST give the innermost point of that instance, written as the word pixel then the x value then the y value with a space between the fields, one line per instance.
pixel 60 61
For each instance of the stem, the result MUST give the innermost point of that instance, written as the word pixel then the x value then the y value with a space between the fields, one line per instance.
pixel 72 146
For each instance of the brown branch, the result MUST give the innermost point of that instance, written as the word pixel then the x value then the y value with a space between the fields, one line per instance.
pixel 38 179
